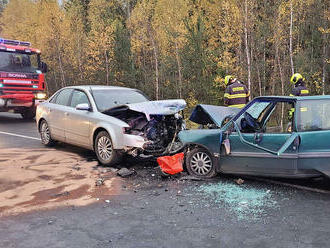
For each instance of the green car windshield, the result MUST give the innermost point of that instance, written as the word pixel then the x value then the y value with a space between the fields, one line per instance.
pixel 257 110
pixel 313 115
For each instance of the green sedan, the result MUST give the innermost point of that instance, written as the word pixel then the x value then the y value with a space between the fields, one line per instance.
pixel 271 136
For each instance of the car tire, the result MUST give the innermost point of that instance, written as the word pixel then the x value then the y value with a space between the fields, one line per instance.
pixel 104 151
pixel 200 163
pixel 28 114
pixel 45 135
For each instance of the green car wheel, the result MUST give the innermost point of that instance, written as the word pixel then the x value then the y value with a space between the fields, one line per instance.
pixel 199 163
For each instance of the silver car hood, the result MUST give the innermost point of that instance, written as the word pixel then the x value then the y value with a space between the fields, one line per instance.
pixel 162 107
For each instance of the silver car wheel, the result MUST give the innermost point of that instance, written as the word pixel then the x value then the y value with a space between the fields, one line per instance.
pixel 44 133
pixel 104 148
pixel 201 163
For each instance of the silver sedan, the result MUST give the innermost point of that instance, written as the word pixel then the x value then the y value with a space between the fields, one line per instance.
pixel 111 121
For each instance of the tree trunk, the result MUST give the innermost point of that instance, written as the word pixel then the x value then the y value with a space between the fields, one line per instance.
pixel 179 69
pixel 80 60
pixel 282 82
pixel 106 67
pixel 264 66
pixel 156 68
pixel 259 80
pixel 324 67
pixel 60 63
pixel 290 38
pixel 247 46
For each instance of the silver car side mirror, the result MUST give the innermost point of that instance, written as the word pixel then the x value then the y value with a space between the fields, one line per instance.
pixel 83 106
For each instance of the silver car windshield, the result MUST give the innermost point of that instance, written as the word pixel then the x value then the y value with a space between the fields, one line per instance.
pixel 109 98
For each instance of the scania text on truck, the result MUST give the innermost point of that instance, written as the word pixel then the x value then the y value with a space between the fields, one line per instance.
pixel 22 79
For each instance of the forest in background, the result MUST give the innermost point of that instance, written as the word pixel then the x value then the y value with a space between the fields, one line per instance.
pixel 177 48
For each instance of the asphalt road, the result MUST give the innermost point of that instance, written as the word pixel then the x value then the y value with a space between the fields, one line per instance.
pixel 18 133
pixel 157 212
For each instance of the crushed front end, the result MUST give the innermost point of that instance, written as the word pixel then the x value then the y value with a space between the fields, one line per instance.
pixel 153 126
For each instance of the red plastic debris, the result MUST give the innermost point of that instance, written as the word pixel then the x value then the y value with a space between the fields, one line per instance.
pixel 171 164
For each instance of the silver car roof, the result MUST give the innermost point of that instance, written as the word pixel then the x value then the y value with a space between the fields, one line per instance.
pixel 98 87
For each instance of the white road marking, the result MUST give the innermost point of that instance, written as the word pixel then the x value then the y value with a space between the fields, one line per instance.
pixel 19 135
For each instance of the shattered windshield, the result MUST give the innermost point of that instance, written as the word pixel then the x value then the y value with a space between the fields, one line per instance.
pixel 18 62
pixel 109 98
pixel 257 110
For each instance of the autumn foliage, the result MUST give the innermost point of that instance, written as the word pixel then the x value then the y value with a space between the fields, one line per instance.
pixel 176 48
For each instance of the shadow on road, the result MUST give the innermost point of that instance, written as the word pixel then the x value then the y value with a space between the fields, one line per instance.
pixel 8 118
pixel 85 153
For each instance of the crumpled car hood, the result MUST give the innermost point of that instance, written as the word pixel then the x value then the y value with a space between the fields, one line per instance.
pixel 162 107
pixel 210 114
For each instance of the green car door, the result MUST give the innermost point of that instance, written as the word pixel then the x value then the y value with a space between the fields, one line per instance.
pixel 313 120
pixel 265 127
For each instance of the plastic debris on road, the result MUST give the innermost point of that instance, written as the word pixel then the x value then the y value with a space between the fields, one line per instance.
pixel 171 164
pixel 245 201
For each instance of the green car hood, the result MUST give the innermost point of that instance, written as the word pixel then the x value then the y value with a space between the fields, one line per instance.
pixel 208 138
pixel 210 114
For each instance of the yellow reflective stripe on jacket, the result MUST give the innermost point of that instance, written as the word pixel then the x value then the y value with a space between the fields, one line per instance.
pixel 226 95
pixel 304 91
pixel 237 105
pixel 291 95
pixel 238 89
pixel 233 96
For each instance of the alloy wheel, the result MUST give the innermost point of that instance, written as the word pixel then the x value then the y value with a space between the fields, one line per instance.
pixel 104 148
pixel 44 133
pixel 201 163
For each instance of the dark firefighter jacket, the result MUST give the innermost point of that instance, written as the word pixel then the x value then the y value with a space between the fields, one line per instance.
pixel 300 90
pixel 236 95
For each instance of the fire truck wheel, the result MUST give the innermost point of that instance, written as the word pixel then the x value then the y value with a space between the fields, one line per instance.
pixel 45 136
pixel 28 114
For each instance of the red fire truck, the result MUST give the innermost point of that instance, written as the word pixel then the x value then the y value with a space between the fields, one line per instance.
pixel 22 82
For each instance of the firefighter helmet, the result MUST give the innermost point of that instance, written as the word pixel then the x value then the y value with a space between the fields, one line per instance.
pixel 295 78
pixel 228 78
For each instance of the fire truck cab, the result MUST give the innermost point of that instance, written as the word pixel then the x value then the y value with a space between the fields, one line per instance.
pixel 22 80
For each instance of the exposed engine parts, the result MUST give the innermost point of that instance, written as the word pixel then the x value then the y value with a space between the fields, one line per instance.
pixel 160 131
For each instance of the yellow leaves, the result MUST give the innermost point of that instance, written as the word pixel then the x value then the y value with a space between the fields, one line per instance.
pixel 219 82
pixel 324 31
pixel 169 25
pixel 191 100
pixel 18 16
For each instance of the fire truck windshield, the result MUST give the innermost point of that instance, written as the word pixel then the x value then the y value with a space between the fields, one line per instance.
pixel 18 62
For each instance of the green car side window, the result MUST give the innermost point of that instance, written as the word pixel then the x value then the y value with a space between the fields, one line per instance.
pixel 313 115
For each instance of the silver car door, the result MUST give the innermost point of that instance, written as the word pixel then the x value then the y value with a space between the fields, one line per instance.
pixel 56 116
pixel 77 122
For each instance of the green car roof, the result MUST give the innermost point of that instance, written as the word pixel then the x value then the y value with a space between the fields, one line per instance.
pixel 298 98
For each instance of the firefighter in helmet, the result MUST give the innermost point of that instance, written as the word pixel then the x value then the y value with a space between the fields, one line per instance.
pixel 299 88
pixel 236 93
